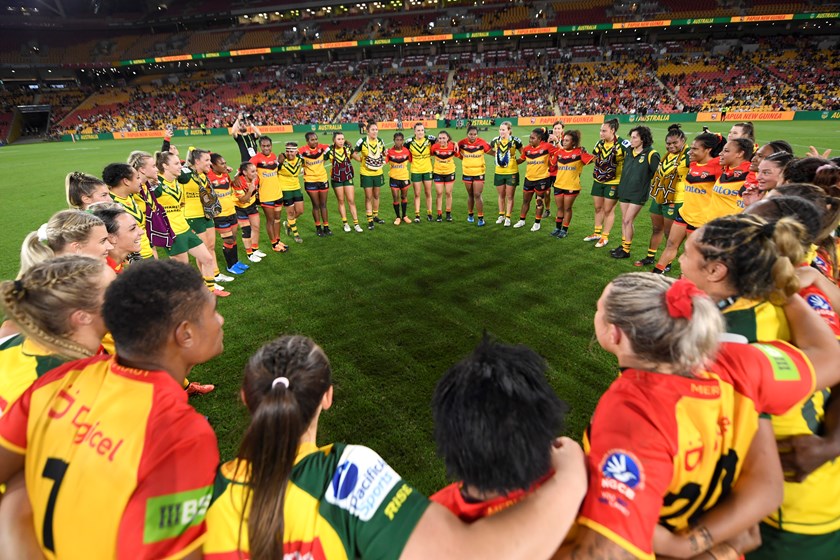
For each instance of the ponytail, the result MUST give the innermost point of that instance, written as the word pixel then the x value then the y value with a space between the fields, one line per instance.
pixel 77 185
pixel 752 250
pixel 285 382
pixel 636 303
pixel 67 226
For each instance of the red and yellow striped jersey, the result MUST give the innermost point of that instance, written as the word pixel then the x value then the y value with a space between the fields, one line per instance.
pixel 726 193
pixel 342 501
pixel 569 168
pixel 472 157
pixel 698 190
pixel 444 158
pixel 314 170
pixel 117 463
pixel 664 449
pixel 270 190
pixel 240 187
pixel 537 160
pixel 224 191
pixel 398 163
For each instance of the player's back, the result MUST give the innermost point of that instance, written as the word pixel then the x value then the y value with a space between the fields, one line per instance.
pixel 118 464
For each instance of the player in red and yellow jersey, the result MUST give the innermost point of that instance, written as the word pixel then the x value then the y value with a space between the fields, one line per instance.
pixel 344 501
pixel 226 223
pixel 117 463
pixel 315 181
pixel 270 192
pixel 569 162
pixel 704 170
pixel 496 472
pixel 444 151
pixel 695 404
pixel 744 255
pixel 472 150
pixel 504 148
pixel 397 159
pixel 726 192
pixel 536 158
pixel 245 185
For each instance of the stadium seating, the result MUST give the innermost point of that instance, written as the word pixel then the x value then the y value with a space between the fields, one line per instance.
pixel 500 92
pixel 412 94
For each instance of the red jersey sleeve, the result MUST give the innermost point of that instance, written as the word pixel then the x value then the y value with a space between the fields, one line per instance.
pixel 586 157
pixel 13 424
pixel 630 468
pixel 165 515
pixel 782 374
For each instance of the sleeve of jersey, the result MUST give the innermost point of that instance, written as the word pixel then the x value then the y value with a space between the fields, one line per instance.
pixel 630 469
pixel 784 375
pixel 372 505
pixel 13 424
pixel 359 144
pixel 653 161
pixel 165 516
pixel 586 157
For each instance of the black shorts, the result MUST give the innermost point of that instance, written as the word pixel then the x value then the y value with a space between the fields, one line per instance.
pixel 400 183
pixel 224 223
pixel 678 219
pixel 539 186
pixel 243 213
pixel 448 178
pixel 473 178
pixel 564 192
pixel 315 187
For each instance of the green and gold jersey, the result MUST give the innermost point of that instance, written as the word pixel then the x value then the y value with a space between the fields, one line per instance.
pixel 342 501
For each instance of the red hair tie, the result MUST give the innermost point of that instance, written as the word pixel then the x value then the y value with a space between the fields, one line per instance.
pixel 678 298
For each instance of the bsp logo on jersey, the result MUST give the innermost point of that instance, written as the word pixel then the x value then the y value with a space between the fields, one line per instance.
pixel 818 302
pixel 621 473
pixel 361 482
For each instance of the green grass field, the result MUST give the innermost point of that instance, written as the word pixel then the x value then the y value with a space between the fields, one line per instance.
pixel 395 307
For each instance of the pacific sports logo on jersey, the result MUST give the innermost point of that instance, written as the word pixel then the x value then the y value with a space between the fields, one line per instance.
pixel 361 482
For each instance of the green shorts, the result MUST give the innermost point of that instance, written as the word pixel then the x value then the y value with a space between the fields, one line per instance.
pixel 633 196
pixel 782 544
pixel 200 225
pixel 372 181
pixel 418 177
pixel 336 184
pixel 667 211
pixel 501 180
pixel 183 243
pixel 604 191
pixel 290 197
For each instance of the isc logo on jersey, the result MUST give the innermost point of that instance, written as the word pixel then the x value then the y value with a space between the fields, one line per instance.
pixel 361 482
pixel 621 473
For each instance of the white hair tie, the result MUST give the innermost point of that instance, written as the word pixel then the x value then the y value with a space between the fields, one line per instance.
pixel 42 233
pixel 280 381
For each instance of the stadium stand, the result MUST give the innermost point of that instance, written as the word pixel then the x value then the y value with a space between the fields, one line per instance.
pixel 415 94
